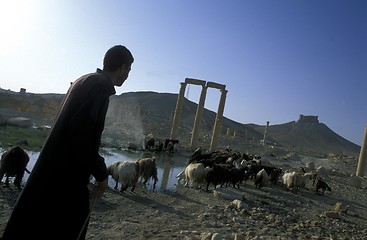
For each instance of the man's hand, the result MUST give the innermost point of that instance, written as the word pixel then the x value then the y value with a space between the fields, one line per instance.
pixel 97 189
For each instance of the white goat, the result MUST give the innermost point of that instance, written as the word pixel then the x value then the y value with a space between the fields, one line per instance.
pixel 126 172
pixel 195 172
pixel 292 180
pixel 261 179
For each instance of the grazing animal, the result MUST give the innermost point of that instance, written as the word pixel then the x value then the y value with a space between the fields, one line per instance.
pixel 219 174
pixel 150 144
pixel 159 146
pixel 321 184
pixel 275 175
pixel 147 170
pixel 14 164
pixel 261 179
pixel 195 173
pixel 312 177
pixel 169 145
pixel 127 173
pixel 198 156
pixel 238 175
pixel 294 180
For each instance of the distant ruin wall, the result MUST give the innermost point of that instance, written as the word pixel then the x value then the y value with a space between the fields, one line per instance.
pixel 40 106
pixel 308 119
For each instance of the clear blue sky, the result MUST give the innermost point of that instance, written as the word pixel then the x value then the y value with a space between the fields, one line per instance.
pixel 278 59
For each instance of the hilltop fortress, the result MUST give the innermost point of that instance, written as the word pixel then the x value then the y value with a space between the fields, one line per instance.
pixel 308 119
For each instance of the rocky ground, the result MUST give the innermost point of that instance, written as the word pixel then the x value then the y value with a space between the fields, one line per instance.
pixel 271 212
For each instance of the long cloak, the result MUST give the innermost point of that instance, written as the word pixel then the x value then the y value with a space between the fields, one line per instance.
pixel 55 198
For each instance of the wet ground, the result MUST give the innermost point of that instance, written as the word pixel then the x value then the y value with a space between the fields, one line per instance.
pixel 168 165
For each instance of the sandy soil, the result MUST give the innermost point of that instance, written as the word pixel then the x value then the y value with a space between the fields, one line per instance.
pixel 271 212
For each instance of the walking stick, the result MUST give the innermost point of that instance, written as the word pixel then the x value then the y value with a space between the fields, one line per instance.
pixel 87 218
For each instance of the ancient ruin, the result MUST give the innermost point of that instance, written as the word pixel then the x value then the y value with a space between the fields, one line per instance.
pixel 198 117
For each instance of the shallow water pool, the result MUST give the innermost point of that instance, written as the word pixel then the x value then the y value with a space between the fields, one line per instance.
pixel 168 166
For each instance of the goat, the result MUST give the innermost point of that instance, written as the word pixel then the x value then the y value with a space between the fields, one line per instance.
pixel 147 170
pixel 294 180
pixel 195 172
pixel 218 174
pixel 261 179
pixel 321 184
pixel 125 172
pixel 311 176
pixel 13 163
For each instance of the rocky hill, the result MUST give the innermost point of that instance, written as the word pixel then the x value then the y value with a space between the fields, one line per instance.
pixel 134 115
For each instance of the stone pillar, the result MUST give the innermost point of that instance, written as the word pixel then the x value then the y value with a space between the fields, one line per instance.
pixel 218 120
pixel 198 117
pixel 177 116
pixel 265 133
pixel 362 156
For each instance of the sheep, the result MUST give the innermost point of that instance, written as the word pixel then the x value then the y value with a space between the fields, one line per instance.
pixel 13 163
pixel 195 172
pixel 147 170
pixel 126 172
pixel 321 184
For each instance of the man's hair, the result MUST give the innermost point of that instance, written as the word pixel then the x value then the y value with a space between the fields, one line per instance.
pixel 115 57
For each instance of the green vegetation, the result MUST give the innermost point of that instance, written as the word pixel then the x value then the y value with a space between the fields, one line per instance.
pixel 33 138
pixel 27 138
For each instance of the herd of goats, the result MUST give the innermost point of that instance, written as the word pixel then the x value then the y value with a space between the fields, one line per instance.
pixel 219 169
pixel 233 169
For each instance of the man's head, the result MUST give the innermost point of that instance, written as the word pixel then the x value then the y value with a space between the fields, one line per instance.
pixel 117 63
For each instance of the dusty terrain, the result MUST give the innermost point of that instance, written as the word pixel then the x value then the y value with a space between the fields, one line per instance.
pixel 246 213
pixel 187 213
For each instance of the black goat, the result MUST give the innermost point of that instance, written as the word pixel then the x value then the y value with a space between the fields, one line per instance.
pixel 13 163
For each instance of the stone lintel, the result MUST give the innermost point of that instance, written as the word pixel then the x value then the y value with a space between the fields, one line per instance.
pixel 195 81
pixel 216 85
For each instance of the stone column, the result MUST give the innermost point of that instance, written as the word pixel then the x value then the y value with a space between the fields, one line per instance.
pixel 265 133
pixel 177 116
pixel 198 117
pixel 218 120
pixel 362 156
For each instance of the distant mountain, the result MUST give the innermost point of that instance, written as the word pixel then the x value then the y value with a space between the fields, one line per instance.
pixel 134 115
pixel 143 113
pixel 315 137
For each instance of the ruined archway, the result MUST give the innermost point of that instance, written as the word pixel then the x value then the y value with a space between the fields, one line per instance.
pixel 198 117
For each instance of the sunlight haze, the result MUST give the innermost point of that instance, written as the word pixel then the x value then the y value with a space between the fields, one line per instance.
pixel 278 59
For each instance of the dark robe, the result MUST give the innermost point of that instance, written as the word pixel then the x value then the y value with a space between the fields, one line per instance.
pixel 54 203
